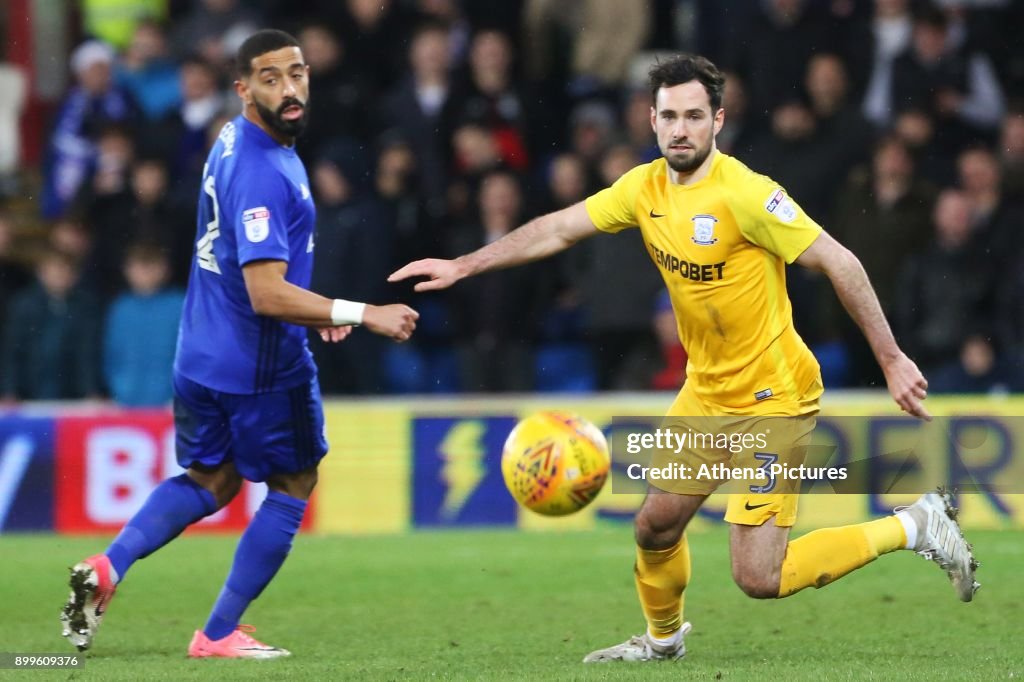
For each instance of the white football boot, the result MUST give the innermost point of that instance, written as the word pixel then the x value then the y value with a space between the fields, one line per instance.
pixel 92 588
pixel 640 648
pixel 939 539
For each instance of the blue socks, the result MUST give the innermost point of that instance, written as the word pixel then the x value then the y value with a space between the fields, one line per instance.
pixel 261 552
pixel 174 505
pixel 179 502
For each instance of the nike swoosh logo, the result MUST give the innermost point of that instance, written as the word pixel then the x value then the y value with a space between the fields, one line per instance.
pixel 656 215
pixel 749 507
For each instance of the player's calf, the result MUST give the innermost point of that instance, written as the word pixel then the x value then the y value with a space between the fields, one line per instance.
pixel 757 554
pixel 663 518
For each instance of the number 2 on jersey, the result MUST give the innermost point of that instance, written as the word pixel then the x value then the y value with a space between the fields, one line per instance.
pixel 204 247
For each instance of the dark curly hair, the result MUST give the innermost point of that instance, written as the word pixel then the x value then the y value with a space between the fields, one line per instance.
pixel 684 68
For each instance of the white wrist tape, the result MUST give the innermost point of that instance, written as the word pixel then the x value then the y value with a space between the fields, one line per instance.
pixel 346 312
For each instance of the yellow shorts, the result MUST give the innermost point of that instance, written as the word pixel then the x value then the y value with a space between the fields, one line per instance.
pixel 786 428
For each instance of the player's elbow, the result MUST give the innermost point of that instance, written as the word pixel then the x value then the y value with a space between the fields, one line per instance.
pixel 263 302
pixel 841 261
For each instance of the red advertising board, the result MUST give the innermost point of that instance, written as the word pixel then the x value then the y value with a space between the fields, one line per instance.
pixel 107 465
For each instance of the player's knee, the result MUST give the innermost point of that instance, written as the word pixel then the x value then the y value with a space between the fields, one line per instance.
pixel 226 489
pixel 654 533
pixel 757 586
pixel 299 485
pixel 223 483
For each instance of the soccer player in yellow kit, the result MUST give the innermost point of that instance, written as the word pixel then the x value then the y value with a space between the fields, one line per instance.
pixel 721 235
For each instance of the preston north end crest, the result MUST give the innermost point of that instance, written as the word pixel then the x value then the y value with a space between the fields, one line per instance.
pixel 704 230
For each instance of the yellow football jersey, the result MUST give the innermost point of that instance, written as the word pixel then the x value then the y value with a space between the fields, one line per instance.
pixel 721 245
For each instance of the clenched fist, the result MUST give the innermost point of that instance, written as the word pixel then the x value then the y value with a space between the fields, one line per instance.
pixel 396 321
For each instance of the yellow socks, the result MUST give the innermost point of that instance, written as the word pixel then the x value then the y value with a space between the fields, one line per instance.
pixel 661 576
pixel 822 556
pixel 814 560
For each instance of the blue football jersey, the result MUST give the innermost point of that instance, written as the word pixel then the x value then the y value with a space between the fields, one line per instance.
pixel 254 204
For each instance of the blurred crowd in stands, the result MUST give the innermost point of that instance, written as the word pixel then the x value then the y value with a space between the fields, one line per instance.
pixel 436 126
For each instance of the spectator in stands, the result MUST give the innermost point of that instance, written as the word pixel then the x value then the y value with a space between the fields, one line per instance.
pixel 13 275
pixel 600 55
pixel 14 83
pixel 996 223
pixel 115 21
pixel 467 111
pixel 934 162
pixel 142 212
pixel 959 89
pixel 495 317
pixel 142 330
pixel 115 152
pixel 420 228
pixel 793 153
pixel 490 96
pixel 182 134
pixel 396 179
pixel 213 29
pixel 874 50
pixel 379 32
pixel 452 13
pixel 354 243
pixel 773 55
pixel 1009 317
pixel 883 215
pixel 147 71
pixel 70 236
pixel 672 374
pixel 51 337
pixel 1011 156
pixel 566 182
pixel 340 106
pixel 93 104
pixel 940 301
pixel 619 285
pixel 740 129
pixel 884 205
pixel 421 108
pixel 842 129
pixel 475 153
pixel 978 369
pixel 637 119
pixel 592 126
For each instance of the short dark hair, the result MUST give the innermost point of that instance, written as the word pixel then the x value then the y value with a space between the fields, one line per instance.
pixel 931 16
pixel 147 252
pixel 261 42
pixel 684 68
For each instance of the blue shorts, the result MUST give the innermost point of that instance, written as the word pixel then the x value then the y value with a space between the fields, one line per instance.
pixel 264 434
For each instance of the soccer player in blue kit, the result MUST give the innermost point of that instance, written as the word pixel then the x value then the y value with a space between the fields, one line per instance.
pixel 246 399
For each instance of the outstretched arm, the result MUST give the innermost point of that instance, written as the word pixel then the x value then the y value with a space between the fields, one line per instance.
pixel 273 296
pixel 537 239
pixel 906 383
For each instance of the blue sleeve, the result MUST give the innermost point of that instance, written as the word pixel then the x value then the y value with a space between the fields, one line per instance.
pixel 257 211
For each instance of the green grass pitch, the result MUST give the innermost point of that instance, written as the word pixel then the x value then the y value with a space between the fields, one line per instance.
pixel 512 605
